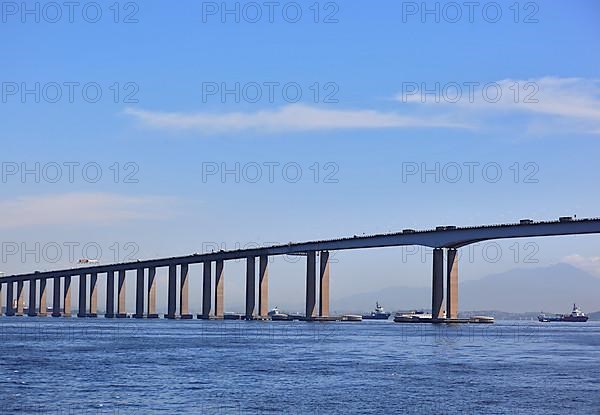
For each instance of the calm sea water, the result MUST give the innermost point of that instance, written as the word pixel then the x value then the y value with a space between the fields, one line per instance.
pixel 52 366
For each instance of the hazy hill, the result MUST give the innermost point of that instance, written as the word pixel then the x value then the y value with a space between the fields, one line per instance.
pixel 595 316
pixel 552 289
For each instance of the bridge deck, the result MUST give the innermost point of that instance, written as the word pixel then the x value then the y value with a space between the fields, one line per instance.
pixel 441 237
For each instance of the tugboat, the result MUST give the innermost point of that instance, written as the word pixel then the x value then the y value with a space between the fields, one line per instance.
pixel 277 315
pixel 576 316
pixel 378 314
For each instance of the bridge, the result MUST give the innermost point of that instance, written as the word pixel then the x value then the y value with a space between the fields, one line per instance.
pixel 445 241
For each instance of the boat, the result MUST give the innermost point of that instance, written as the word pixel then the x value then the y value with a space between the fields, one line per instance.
pixel 545 318
pixel 481 319
pixel 378 314
pixel 296 316
pixel 412 317
pixel 233 316
pixel 277 315
pixel 576 316
pixel 352 317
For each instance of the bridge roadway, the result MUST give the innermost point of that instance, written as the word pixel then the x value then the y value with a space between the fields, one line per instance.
pixel 443 239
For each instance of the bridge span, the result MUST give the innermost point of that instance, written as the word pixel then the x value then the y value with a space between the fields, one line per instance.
pixel 445 241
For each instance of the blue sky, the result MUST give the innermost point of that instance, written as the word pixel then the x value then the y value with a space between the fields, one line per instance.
pixel 368 138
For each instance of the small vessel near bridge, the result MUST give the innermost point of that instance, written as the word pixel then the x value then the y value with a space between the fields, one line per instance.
pixel 276 315
pixel 378 314
pixel 413 317
pixel 576 316
pixel 423 317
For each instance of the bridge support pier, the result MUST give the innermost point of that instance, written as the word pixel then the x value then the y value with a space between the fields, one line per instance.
pixel 311 284
pixel 110 295
pixel 263 286
pixel 437 297
pixel 82 311
pixel 56 297
pixel 20 298
pixel 206 289
pixel 324 285
pixel 219 290
pixel 139 294
pixel 184 311
pixel 250 287
pixel 172 295
pixel 452 284
pixel 1 300
pixel 67 296
pixel 121 303
pixel 151 293
pixel 10 310
pixel 43 307
pixel 93 295
pixel 31 306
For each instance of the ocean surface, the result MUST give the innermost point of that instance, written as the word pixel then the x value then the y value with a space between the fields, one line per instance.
pixel 86 366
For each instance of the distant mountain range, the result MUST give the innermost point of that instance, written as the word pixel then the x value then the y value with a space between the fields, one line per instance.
pixel 594 316
pixel 551 289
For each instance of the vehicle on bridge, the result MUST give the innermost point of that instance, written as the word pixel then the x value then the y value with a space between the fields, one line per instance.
pixel 86 261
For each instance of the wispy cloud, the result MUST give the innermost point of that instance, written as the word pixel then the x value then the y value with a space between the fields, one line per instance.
pixel 589 264
pixel 80 208
pixel 289 118
pixel 540 105
pixel 549 103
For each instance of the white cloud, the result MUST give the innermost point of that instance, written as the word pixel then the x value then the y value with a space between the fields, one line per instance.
pixel 550 103
pixel 538 106
pixel 80 208
pixel 589 264
pixel 290 118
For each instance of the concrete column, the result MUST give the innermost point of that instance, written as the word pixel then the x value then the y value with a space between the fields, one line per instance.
pixel 250 287
pixel 452 284
pixel 56 297
pixel 43 308
pixel 20 298
pixel 121 295
pixel 263 286
pixel 1 300
pixel 219 290
pixel 184 311
pixel 206 289
pixel 93 295
pixel 151 293
pixel 10 310
pixel 437 297
pixel 311 284
pixel 324 285
pixel 31 304
pixel 172 296
pixel 139 294
pixel 82 312
pixel 110 295
pixel 67 296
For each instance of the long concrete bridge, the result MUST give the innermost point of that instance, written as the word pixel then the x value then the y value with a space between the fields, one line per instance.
pixel 445 241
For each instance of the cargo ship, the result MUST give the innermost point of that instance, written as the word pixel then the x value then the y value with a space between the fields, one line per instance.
pixel 378 314
pixel 576 316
